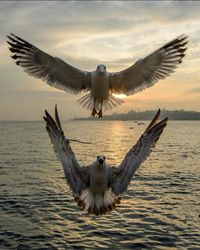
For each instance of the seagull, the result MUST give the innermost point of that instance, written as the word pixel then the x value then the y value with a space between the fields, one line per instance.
pixel 97 188
pixel 139 123
pixel 100 84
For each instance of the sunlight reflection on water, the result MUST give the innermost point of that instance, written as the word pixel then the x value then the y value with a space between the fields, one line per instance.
pixel 160 210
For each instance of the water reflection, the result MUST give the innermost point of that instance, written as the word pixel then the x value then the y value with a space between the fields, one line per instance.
pixel 159 211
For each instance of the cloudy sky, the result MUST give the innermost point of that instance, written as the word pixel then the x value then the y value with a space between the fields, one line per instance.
pixel 85 34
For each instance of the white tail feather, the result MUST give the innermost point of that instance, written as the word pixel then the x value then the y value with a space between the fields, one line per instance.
pixel 87 101
pixel 112 102
pixel 97 203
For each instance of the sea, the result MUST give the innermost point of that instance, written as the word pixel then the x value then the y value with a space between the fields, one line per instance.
pixel 160 210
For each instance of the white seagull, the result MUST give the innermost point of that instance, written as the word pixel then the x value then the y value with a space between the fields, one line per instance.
pixel 100 83
pixel 97 188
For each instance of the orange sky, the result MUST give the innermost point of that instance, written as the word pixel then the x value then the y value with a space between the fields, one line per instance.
pixel 85 34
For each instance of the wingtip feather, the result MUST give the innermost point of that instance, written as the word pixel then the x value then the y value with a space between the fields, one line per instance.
pixel 57 118
pixel 153 121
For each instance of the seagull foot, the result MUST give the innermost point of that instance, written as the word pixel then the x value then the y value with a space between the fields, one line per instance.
pixel 94 112
pixel 100 114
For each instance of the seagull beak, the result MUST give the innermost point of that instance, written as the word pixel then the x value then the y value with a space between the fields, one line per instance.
pixel 101 70
pixel 100 161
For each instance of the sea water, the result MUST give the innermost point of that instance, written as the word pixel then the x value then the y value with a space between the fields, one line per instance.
pixel 160 210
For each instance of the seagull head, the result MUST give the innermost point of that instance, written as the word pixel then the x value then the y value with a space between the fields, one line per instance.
pixel 100 160
pixel 101 69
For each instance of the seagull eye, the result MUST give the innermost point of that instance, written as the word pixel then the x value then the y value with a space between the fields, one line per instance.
pixel 104 157
pixel 97 157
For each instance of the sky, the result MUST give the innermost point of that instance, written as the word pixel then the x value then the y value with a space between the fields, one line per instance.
pixel 87 33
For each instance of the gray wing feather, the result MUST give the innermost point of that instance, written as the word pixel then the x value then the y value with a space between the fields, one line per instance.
pixel 77 177
pixel 146 72
pixel 53 70
pixel 120 177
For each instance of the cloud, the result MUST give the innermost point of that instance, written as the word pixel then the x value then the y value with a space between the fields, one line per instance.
pixel 194 91
pixel 101 16
pixel 84 34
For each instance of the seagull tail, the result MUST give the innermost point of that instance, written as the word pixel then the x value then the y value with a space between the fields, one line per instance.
pixel 112 102
pixel 97 204
pixel 86 101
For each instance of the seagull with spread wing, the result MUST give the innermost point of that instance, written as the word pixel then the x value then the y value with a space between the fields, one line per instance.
pixel 100 83
pixel 97 188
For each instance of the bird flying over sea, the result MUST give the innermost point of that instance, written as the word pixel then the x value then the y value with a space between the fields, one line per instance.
pixel 97 188
pixel 100 84
pixel 139 123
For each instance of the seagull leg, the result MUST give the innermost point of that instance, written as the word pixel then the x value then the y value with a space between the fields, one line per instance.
pixel 100 113
pixel 94 112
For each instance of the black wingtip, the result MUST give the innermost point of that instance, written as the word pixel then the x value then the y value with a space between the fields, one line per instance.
pixel 44 117
pixel 15 57
pixel 46 113
pixel 165 120
pixel 48 116
pixel 57 118
pixel 50 121
pixel 153 121
pixel 157 114
pixel 160 125
pixel 56 110
pixel 12 34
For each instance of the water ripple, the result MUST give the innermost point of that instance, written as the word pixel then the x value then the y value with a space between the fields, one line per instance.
pixel 161 209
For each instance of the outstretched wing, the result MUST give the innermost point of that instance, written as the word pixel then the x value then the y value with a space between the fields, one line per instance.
pixel 53 70
pixel 120 177
pixel 146 72
pixel 77 177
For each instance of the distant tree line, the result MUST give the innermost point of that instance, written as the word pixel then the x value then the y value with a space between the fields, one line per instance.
pixel 147 115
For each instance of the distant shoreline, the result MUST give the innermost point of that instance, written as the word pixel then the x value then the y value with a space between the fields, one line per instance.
pixel 146 115
pixel 173 115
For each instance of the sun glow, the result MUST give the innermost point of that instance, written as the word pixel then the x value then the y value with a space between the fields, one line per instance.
pixel 120 96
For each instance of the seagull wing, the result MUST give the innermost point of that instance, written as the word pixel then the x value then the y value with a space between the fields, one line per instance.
pixel 77 177
pixel 53 70
pixel 146 72
pixel 120 177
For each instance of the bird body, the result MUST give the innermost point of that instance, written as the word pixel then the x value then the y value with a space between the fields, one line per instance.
pixel 100 84
pixel 99 89
pixel 97 188
pixel 98 178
